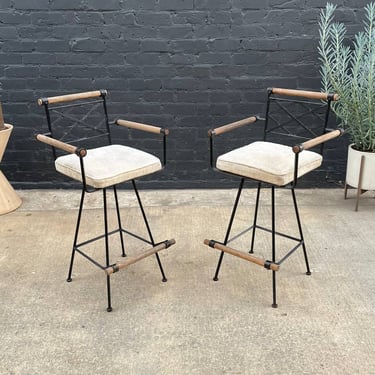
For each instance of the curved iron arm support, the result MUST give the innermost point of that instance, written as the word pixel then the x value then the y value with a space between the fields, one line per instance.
pixel 149 129
pixel 83 174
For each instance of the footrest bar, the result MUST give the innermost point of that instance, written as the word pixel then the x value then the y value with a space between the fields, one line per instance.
pixel 89 258
pixel 278 233
pixel 290 252
pixel 240 234
pixel 136 236
pixel 133 259
pixel 97 238
pixel 250 258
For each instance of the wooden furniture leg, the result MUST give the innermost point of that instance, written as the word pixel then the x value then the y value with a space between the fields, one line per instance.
pixel 9 200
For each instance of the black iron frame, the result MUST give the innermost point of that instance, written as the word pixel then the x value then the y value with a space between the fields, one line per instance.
pixel 300 240
pixel 86 189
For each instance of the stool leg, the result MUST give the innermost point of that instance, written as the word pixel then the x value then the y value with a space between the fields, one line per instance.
pixel 308 272
pixel 345 190
pixel 255 219
pixel 109 308
pixel 216 277
pixel 229 228
pixel 274 303
pixel 119 222
pixel 164 279
pixel 359 188
pixel 69 278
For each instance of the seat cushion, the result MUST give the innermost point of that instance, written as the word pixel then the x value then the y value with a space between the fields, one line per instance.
pixel 109 165
pixel 268 162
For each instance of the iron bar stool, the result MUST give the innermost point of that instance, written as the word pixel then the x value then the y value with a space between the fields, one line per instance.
pixel 290 114
pixel 100 165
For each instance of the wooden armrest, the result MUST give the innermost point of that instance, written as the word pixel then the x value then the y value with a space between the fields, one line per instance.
pixel 234 125
pixel 61 145
pixel 317 140
pixel 72 97
pixel 143 127
pixel 240 254
pixel 304 94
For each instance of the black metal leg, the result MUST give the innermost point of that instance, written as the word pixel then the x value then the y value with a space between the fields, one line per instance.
pixel 274 303
pixel 119 222
pixel 109 308
pixel 143 212
pixel 229 228
pixel 69 278
pixel 255 219
pixel 164 279
pixel 216 277
pixel 308 272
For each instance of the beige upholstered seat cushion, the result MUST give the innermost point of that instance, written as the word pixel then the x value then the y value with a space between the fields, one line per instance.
pixel 268 162
pixel 109 165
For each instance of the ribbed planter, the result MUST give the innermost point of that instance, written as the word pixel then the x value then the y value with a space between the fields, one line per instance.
pixel 9 200
pixel 4 137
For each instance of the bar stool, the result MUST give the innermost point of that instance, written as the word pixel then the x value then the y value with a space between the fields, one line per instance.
pixel 290 114
pixel 79 127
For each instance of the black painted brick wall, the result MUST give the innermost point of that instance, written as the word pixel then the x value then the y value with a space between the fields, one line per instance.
pixel 183 64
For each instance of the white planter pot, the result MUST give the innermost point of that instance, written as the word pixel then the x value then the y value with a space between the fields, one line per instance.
pixel 365 179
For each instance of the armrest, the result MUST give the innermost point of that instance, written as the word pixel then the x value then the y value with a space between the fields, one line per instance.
pixel 317 140
pixel 142 127
pixel 149 129
pixel 234 125
pixel 81 152
pixel 72 97
pixel 303 94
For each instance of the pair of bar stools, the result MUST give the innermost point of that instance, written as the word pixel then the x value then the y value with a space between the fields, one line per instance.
pixel 289 113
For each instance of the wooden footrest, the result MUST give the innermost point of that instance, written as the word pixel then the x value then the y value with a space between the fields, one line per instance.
pixel 133 259
pixel 250 258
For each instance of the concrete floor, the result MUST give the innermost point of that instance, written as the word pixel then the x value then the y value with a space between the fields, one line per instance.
pixel 190 325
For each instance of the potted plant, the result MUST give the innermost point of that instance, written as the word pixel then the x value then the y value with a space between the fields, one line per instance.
pixel 9 200
pixel 349 71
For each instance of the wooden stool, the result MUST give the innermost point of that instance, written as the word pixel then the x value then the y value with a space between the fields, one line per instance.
pixel 9 200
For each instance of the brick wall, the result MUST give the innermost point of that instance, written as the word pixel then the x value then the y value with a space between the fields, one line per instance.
pixel 183 64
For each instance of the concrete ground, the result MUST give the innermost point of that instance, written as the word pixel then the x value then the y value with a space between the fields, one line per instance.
pixel 190 325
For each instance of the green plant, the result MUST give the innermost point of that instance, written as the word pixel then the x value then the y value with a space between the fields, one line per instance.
pixel 348 70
